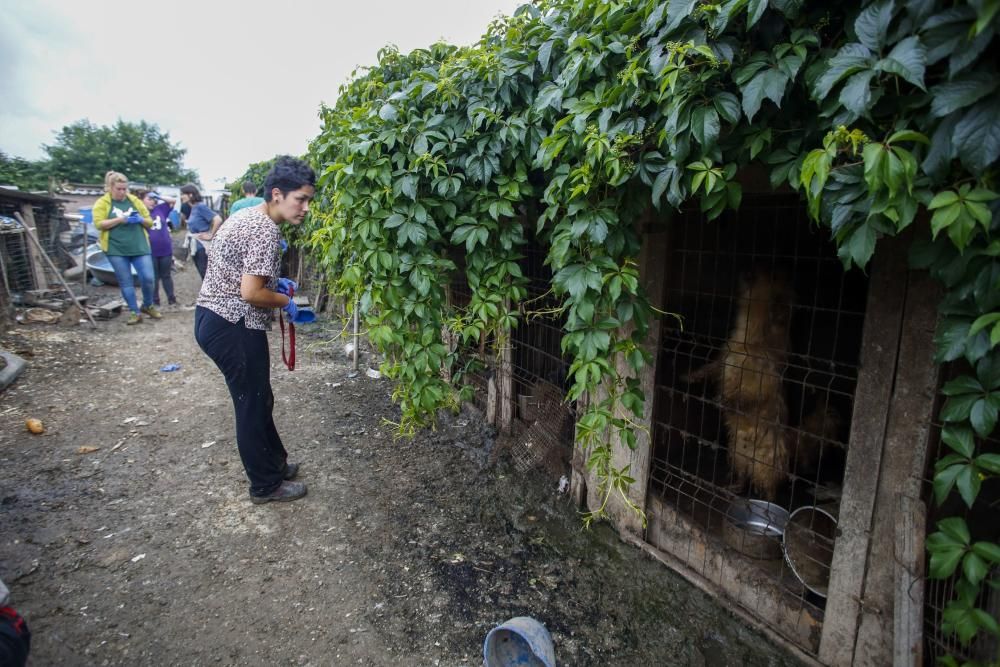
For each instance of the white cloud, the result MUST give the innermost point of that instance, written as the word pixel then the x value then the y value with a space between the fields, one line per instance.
pixel 232 88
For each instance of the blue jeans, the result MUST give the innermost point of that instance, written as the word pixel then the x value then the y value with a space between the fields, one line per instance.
pixel 144 267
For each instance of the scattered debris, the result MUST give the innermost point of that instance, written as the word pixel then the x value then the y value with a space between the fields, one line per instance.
pixel 170 368
pixel 206 445
pixel 35 425
pixel 138 558
pixel 86 449
pixel 40 316
pixel 373 374
pixel 563 484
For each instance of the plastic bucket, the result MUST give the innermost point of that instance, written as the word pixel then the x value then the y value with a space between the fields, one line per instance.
pixel 305 316
pixel 520 642
pixel 87 214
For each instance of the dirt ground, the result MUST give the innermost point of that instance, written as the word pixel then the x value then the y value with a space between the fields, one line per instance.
pixel 405 552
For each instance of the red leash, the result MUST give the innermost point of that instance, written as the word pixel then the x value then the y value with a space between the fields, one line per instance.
pixel 290 359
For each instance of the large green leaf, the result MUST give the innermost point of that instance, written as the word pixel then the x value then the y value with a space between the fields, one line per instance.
pixel 969 52
pixel 856 94
pixel 960 439
pixel 872 24
pixel 989 463
pixel 388 112
pixel 942 151
pixel 961 92
pixel 544 54
pixel 677 11
pixel 577 278
pixel 850 58
pixel 968 484
pixel 769 83
pixel 963 384
pixel 858 248
pixel 958 408
pixel 944 482
pixel 550 95
pixel 705 126
pixel 974 568
pixel 907 59
pixel 728 106
pixel 977 135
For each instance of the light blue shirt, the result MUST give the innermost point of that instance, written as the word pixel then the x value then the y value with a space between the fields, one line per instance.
pixel 244 203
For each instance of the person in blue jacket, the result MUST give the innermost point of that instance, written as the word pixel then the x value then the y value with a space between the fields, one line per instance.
pixel 202 225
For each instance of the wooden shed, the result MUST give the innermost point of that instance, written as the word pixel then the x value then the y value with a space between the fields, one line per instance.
pixel 21 263
pixel 804 507
pixel 786 446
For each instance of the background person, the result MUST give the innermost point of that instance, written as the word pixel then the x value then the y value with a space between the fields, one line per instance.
pixel 122 221
pixel 161 246
pixel 202 224
pixel 249 198
pixel 234 311
pixel 15 637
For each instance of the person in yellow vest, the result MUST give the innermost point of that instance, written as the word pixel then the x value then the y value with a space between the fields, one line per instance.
pixel 122 221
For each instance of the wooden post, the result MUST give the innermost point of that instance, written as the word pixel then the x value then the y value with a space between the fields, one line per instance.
pixel 37 267
pixel 908 616
pixel 505 380
pixel 652 272
pixel 491 399
pixel 879 349
pixel 894 557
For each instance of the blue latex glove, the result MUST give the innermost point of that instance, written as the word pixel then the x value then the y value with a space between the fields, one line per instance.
pixel 284 245
pixel 284 284
pixel 134 218
pixel 291 309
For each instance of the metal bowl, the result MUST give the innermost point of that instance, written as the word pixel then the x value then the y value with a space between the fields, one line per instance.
pixel 808 545
pixel 755 527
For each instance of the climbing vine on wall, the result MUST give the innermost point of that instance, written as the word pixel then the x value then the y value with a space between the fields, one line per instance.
pixel 568 120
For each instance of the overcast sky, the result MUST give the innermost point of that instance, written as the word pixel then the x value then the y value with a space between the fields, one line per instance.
pixel 232 88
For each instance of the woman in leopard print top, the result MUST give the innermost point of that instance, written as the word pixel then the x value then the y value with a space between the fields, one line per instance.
pixel 240 291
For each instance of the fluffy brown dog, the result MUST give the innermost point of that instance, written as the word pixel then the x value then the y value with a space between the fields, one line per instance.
pixel 748 373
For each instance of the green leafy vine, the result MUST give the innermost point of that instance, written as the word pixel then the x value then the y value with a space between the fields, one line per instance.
pixel 566 122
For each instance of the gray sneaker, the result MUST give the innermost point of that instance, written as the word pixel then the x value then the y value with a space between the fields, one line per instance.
pixel 286 492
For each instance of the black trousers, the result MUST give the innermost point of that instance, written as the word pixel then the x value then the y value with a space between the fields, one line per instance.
pixel 201 261
pixel 242 356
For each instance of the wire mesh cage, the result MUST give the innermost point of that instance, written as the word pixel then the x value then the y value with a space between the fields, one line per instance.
pixel 755 390
pixel 982 522
pixel 544 419
pixel 33 254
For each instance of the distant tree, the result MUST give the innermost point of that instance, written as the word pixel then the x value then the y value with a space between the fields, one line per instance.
pixel 84 152
pixel 25 174
pixel 256 173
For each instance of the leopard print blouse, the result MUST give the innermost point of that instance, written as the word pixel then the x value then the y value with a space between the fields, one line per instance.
pixel 247 243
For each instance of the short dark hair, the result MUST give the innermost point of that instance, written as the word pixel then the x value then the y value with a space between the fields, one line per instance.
pixel 288 174
pixel 249 187
pixel 191 190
